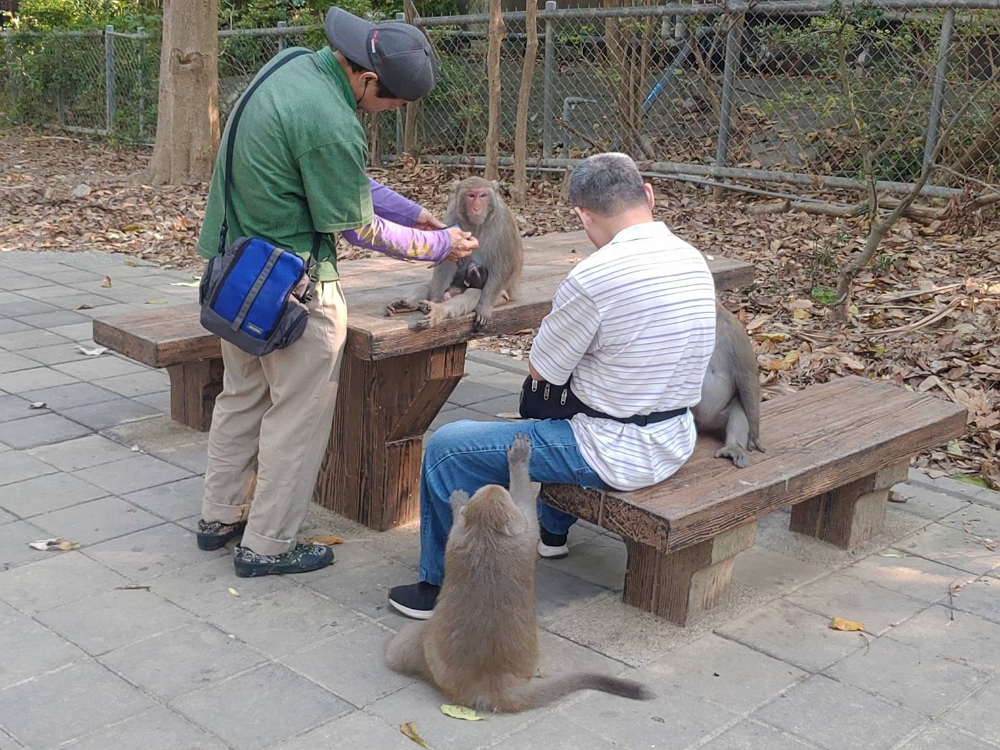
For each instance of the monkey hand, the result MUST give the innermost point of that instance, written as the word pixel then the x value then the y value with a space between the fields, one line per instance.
pixel 399 306
pixel 519 452
pixel 483 316
pixel 462 243
pixel 432 315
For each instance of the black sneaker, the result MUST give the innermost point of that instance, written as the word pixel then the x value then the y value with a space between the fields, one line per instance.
pixel 415 600
pixel 215 534
pixel 552 546
pixel 302 559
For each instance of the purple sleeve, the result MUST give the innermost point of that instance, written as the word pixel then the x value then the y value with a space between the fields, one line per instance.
pixel 401 242
pixel 392 206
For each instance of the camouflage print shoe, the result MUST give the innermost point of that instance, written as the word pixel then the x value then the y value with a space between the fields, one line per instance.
pixel 215 534
pixel 302 559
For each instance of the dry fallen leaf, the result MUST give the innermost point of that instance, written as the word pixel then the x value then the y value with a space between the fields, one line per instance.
pixel 409 730
pixel 186 283
pixel 329 541
pixel 50 544
pixel 156 302
pixel 233 591
pixel 106 284
pixel 460 712
pixel 848 625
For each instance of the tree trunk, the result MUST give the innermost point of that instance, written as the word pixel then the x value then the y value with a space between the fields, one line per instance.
pixel 187 125
pixel 410 145
pixel 523 96
pixel 493 76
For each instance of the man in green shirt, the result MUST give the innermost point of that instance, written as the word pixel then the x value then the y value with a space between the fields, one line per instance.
pixel 299 171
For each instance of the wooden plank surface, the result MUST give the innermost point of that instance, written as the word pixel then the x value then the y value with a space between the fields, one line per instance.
pixel 817 439
pixel 167 337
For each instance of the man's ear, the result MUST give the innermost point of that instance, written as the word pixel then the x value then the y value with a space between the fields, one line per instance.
pixel 650 197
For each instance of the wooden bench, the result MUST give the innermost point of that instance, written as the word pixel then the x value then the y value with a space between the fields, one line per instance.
pixel 833 452
pixel 394 379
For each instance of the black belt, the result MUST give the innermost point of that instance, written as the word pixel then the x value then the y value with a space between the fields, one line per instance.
pixel 542 400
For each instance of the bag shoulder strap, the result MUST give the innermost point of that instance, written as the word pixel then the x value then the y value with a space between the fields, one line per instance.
pixel 230 147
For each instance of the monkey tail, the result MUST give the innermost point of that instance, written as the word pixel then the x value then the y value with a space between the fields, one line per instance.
pixel 541 691
pixel 748 388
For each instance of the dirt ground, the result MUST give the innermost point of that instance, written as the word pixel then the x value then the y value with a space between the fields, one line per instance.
pixel 924 314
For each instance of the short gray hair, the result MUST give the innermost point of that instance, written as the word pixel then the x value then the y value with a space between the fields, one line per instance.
pixel 606 184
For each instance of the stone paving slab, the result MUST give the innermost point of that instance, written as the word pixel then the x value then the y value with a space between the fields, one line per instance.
pixel 137 639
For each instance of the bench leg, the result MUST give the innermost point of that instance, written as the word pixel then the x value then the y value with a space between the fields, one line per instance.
pixel 850 515
pixel 684 586
pixel 371 472
pixel 193 388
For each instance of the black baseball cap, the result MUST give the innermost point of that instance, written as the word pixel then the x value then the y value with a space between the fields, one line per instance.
pixel 398 53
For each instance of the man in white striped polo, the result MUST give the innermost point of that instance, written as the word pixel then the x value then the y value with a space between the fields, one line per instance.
pixel 633 325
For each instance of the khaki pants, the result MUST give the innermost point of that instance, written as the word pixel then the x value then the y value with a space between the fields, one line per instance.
pixel 275 412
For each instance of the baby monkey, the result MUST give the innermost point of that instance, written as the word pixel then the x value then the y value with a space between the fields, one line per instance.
pixel 480 647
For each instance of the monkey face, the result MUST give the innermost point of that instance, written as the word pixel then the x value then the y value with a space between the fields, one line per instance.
pixel 478 202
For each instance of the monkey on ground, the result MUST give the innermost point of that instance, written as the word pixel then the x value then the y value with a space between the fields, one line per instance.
pixel 476 206
pixel 480 648
pixel 730 393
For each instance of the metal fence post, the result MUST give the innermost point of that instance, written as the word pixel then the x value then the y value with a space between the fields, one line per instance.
pixel 548 122
pixel 141 39
pixel 940 80
pixel 109 77
pixel 400 112
pixel 738 9
pixel 281 36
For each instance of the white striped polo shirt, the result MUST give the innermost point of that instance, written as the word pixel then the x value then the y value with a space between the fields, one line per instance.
pixel 634 324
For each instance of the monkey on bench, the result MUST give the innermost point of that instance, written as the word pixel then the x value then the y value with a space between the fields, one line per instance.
pixel 492 275
pixel 730 393
pixel 481 646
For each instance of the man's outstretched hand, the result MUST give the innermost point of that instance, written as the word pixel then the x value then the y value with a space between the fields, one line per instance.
pixel 428 221
pixel 462 243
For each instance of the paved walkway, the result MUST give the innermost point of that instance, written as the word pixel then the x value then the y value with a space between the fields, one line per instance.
pixel 139 640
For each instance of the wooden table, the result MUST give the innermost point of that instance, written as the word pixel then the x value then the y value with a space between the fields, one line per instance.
pixel 394 379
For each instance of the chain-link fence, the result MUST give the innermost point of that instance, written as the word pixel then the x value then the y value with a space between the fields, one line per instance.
pixel 793 91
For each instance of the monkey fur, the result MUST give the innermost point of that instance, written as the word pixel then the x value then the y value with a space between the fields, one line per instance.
pixel 730 393
pixel 476 206
pixel 480 647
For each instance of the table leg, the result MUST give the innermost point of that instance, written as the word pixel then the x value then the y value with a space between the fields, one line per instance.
pixel 193 388
pixel 371 472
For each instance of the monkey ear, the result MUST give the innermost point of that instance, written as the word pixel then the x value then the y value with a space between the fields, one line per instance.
pixel 496 185
pixel 455 184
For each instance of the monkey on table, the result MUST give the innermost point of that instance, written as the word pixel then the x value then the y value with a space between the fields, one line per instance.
pixel 491 277
pixel 730 393
pixel 481 646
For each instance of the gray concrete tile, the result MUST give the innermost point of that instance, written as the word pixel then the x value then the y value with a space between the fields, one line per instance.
pixel 159 401
pixel 978 522
pixel 506 404
pixel 152 552
pixel 558 591
pixel 354 731
pixel 925 502
pixel 750 735
pixel 724 672
pixel 133 474
pixel 106 311
pixel 10 362
pixel 9 325
pixel 674 718
pixel 8 613
pixel 833 715
pixel 33 379
pixel 475 369
pixel 956 487
pixel 194 457
pixel 27 306
pixel 950 546
pixel 31 649
pixel 261 707
pixel 14 539
pixel 959 636
pixel 14 407
pixel 981 597
pixel 351 665
pixel 95 521
pixel 63 275
pixel 6 518
pixel 909 676
pixel 60 353
pixel 136 383
pixel 30 338
pixel 82 453
pixel 118 618
pixel 554 733
pixel 794 635
pixel 158 728
pixel 979 713
pixel 110 413
pixel 181 660
pixel 33 497
pixel 63 397
pixel 911 575
pixel 457 414
pixel 97 368
pixel 773 572
pixel 471 392
pixel 203 588
pixel 57 321
pixel 57 579
pixel 13 280
pixel 41 430
pixel 16 466
pixel 840 595
pixel 938 737
pixel 287 621
pixel 172 501
pixel 598 559
pixel 60 706
pixel 364 589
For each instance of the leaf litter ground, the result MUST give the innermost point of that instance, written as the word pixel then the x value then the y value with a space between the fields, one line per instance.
pixel 925 313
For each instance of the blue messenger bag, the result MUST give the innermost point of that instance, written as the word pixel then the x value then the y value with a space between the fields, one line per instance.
pixel 255 295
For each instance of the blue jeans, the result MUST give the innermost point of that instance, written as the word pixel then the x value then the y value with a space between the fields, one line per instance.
pixel 468 455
